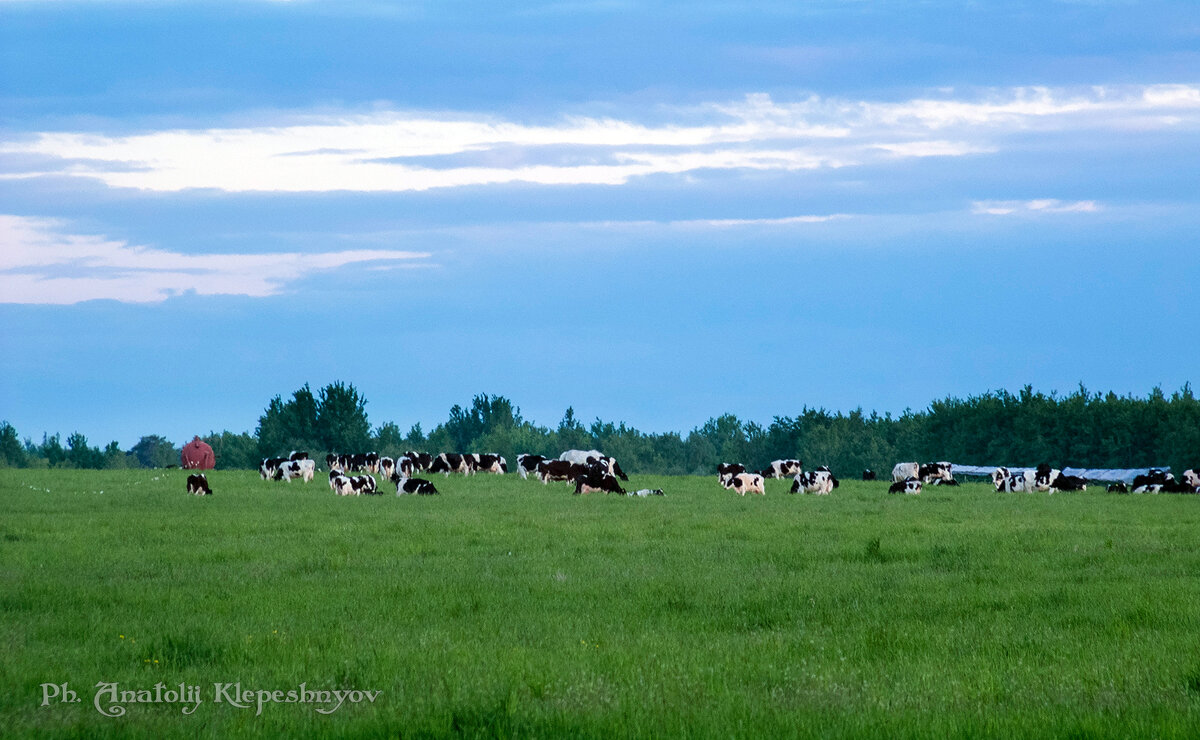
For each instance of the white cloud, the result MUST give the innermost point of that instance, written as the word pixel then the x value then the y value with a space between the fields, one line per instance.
pixel 39 263
pixel 397 151
pixel 1043 205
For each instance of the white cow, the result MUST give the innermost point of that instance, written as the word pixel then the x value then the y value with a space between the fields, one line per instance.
pixel 904 471
pixel 745 483
pixel 580 457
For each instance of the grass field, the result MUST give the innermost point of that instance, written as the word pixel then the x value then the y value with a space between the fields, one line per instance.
pixel 507 608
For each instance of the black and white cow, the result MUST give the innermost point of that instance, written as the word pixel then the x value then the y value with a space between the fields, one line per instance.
pixel 644 492
pixel 527 464
pixel 364 484
pixel 341 484
pixel 387 466
pixel 726 469
pixel 1044 477
pixel 934 471
pixel 1152 481
pixel 998 475
pixel 745 483
pixel 302 468
pixel 1178 486
pixel 595 481
pixel 1015 482
pixel 1191 476
pixel 905 470
pixel 908 485
pixel 782 469
pixel 819 481
pixel 490 463
pixel 419 486
pixel 421 460
pixel 868 474
pixel 294 455
pixel 197 483
pixel 1065 482
pixel 1118 487
pixel 560 470
pixel 450 462
pixel 269 468
pixel 944 482
pixel 609 465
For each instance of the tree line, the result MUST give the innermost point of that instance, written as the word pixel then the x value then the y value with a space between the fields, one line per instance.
pixel 1081 429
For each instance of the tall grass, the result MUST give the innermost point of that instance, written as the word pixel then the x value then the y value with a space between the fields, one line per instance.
pixel 508 608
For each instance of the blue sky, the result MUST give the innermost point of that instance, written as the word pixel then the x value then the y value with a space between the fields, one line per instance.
pixel 653 212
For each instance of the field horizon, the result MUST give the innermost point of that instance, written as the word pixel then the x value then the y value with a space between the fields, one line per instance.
pixel 506 608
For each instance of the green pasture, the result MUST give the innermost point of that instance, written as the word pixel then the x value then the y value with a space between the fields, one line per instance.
pixel 507 608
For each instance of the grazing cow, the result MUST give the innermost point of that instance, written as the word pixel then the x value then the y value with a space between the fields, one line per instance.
pixel 643 492
pixel 725 469
pixel 331 462
pixel 197 483
pixel 1015 482
pixel 1191 476
pixel 419 486
pixel 449 462
pixel 364 484
pixel 341 484
pixel 302 468
pixel 387 466
pixel 609 466
pixel 294 455
pixel 1068 483
pixel 998 475
pixel 491 463
pixel 1118 487
pixel 868 474
pixel 782 469
pixel 421 460
pixel 908 485
pixel 549 470
pixel 269 469
pixel 527 464
pixel 1044 477
pixel 944 482
pixel 405 466
pixel 934 470
pixel 903 471
pixel 596 482
pixel 580 457
pixel 745 483
pixel 819 481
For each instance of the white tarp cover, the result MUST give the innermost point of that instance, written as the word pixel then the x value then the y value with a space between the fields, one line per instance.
pixel 1105 474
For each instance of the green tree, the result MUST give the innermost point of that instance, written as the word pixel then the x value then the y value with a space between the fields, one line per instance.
pixel 234 451
pixel 342 419
pixel 153 451
pixel 12 453
pixel 81 455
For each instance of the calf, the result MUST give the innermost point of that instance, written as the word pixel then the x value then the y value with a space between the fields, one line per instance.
pixel 745 483
pixel 903 471
pixel 302 468
pixel 527 464
pixel 908 485
pixel 1068 483
pixel 596 482
pixel 820 482
pixel 197 483
pixel 418 486
pixel 269 469
pixel 782 469
pixel 643 492
pixel 868 474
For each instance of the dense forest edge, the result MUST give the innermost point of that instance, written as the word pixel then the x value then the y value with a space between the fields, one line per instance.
pixel 1082 429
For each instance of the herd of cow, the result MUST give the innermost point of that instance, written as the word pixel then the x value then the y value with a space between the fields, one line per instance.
pixel 594 472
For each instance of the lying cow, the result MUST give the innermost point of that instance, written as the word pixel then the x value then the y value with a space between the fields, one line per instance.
pixel 1064 482
pixel 868 474
pixel 419 486
pixel 998 475
pixel 782 469
pixel 1191 476
pixel 1118 487
pixel 596 482
pixel 1178 486
pixel 197 483
pixel 364 484
pixel 1044 477
pixel 340 483
pixel 1152 481
pixel 1015 482
pixel 527 464
pixel 643 492
pixel 945 482
pixel 905 470
pixel 910 485
pixel 745 483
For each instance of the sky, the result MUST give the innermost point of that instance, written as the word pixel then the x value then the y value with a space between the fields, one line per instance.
pixel 654 213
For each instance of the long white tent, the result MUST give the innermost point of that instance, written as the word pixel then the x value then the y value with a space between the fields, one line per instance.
pixel 1100 474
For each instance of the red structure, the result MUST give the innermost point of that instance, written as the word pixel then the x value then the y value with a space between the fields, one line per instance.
pixel 197 455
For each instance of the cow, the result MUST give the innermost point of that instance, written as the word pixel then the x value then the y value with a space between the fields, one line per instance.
pixel 580 457
pixel 1152 482
pixel 998 475
pixel 491 463
pixel 643 492
pixel 302 468
pixel 405 466
pixel 1191 476
pixel 1118 487
pixel 819 481
pixel 934 471
pixel 596 482
pixel 609 466
pixel 341 484
pixel 333 462
pixel 745 483
pixel 1065 482
pixel 421 460
pixel 910 485
pixel 944 482
pixel 449 462
pixel 197 483
pixel 903 471
pixel 364 484
pixel 1178 486
pixel 418 486
pixel 549 470
pixel 269 469
pixel 782 469
pixel 868 474
pixel 1044 477
pixel 724 469
pixel 527 464
pixel 1015 482
pixel 294 456
pixel 387 466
